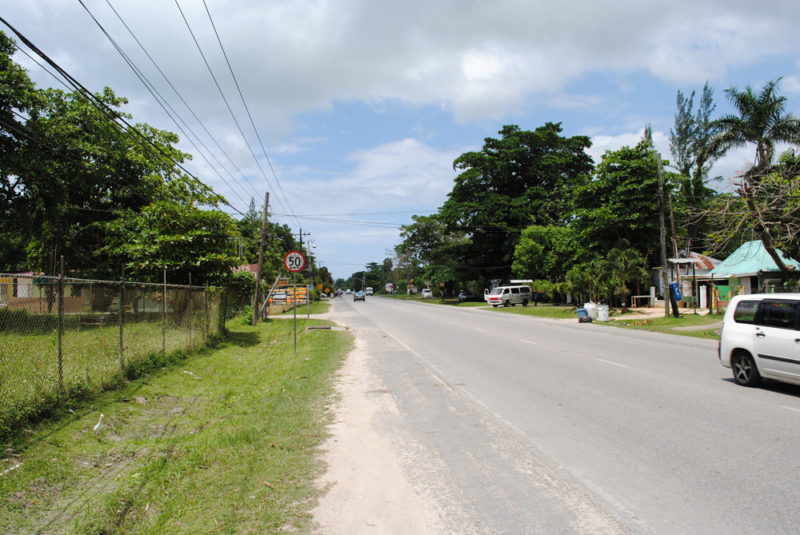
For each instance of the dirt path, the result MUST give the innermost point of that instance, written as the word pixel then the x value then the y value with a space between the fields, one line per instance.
pixel 368 492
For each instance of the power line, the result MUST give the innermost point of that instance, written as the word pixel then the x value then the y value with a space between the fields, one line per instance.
pixel 244 103
pixel 225 100
pixel 188 107
pixel 171 113
pixel 115 117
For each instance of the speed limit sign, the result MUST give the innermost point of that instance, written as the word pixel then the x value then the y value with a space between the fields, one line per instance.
pixel 294 261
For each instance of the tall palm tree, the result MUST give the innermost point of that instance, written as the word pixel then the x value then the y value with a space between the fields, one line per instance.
pixel 762 120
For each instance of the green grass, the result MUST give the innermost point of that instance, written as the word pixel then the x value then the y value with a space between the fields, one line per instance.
pixel 686 325
pixel 541 311
pixel 29 372
pixel 317 307
pixel 225 441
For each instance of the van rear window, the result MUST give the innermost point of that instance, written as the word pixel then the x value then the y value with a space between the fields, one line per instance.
pixel 745 312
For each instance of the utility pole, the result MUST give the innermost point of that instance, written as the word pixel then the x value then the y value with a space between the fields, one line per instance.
pixel 256 300
pixel 664 281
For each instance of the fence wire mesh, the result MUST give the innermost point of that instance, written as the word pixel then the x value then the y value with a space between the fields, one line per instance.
pixel 61 335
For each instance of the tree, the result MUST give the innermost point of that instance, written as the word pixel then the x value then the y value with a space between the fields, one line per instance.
pixel 620 204
pixel 761 121
pixel 546 252
pixel 689 143
pixel 621 268
pixel 179 237
pixel 523 178
pixel 18 100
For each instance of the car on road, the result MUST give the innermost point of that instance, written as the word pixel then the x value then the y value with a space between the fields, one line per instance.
pixel 509 296
pixel 359 296
pixel 368 291
pixel 464 295
pixel 760 338
pixel 427 293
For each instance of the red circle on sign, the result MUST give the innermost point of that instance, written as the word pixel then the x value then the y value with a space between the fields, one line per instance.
pixel 294 261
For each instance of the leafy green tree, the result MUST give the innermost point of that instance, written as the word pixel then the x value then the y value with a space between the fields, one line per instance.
pixel 181 238
pixel 523 178
pixel 18 100
pixel 620 204
pixel 430 243
pixel 692 158
pixel 546 252
pixel 761 120
pixel 620 269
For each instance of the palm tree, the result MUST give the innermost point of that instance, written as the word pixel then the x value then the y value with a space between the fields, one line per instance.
pixel 763 121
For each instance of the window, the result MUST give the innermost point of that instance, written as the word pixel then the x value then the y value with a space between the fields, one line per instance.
pixel 745 312
pixel 778 314
pixel 514 290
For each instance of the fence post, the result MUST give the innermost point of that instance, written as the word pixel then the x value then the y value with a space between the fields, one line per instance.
pixel 60 326
pixel 205 307
pixel 191 310
pixel 164 316
pixel 122 319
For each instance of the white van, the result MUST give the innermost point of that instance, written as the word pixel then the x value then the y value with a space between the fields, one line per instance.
pixel 509 296
pixel 368 291
pixel 760 338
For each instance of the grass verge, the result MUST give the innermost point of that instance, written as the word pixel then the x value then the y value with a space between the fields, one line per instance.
pixel 694 325
pixel 542 310
pixel 225 441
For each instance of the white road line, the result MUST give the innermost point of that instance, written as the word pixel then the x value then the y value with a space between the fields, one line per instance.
pixel 529 342
pixel 481 330
pixel 795 409
pixel 613 363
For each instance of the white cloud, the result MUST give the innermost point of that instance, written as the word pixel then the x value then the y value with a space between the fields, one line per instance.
pixel 479 59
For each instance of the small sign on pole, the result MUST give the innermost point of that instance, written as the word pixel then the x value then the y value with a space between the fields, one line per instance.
pixel 294 261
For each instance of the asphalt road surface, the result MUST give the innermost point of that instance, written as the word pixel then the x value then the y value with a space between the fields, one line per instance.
pixel 515 425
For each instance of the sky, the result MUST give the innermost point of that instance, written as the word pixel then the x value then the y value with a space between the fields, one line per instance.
pixel 351 112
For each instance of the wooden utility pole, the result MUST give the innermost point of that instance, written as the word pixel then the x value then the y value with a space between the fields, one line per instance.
pixel 256 300
pixel 661 202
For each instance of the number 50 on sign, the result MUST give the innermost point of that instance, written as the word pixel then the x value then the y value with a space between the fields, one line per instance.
pixel 294 261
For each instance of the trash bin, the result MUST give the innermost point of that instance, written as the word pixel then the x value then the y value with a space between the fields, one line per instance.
pixel 602 312
pixel 591 310
pixel 583 316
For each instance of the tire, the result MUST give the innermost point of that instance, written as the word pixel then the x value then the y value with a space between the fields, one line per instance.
pixel 495 306
pixel 524 302
pixel 506 303
pixel 744 369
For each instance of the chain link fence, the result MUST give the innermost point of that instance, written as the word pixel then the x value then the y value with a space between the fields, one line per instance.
pixel 62 335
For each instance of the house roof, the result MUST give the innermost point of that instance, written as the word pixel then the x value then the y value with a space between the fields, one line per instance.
pixel 749 260
pixel 701 262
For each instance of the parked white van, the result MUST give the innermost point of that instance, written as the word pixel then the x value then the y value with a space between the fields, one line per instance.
pixel 760 338
pixel 509 296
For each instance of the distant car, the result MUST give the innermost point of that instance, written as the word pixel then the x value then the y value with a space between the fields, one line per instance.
pixel 759 338
pixel 427 293
pixel 359 296
pixel 368 291
pixel 464 295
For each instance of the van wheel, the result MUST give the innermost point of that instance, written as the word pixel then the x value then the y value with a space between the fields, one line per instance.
pixel 506 303
pixel 524 302
pixel 495 306
pixel 745 372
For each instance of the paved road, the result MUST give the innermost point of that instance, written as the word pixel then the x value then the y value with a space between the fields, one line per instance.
pixel 520 425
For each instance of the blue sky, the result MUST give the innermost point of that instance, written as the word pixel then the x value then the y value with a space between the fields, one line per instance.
pixel 362 106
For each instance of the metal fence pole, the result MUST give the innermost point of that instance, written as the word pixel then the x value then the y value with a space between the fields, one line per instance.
pixel 60 326
pixel 122 320
pixel 164 316
pixel 191 311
